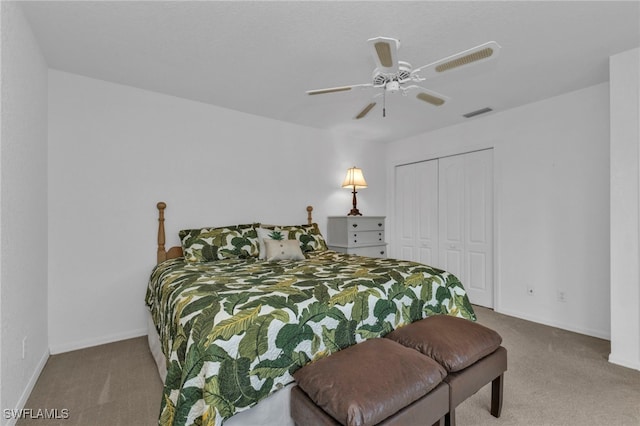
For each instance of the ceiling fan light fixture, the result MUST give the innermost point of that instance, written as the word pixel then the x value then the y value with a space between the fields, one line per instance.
pixel 365 111
pixel 464 60
pixel 433 100
pixel 392 86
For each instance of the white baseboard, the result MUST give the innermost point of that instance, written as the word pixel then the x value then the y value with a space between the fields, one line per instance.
pixel 73 346
pixel 28 389
pixel 589 332
pixel 624 362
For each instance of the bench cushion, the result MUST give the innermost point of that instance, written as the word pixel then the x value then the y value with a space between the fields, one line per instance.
pixel 455 343
pixel 368 382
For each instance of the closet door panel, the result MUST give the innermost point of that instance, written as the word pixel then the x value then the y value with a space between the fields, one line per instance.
pixel 405 212
pixel 451 214
pixel 479 224
pixel 427 213
pixel 417 212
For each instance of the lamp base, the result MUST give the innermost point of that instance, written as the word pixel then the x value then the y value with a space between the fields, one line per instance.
pixel 354 211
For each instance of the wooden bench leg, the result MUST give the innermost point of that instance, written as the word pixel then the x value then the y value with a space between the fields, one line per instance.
pixel 496 395
pixel 450 418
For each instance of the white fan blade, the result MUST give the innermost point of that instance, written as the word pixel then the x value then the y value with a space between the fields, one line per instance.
pixel 484 52
pixel 430 99
pixel 336 89
pixel 429 96
pixel 385 54
pixel 365 111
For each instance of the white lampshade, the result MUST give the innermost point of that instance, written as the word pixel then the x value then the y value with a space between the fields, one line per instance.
pixel 354 178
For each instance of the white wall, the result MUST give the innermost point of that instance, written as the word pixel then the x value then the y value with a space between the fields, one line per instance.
pixel 23 219
pixel 115 151
pixel 551 180
pixel 624 76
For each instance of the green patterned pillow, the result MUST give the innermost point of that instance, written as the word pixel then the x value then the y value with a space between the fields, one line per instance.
pixel 309 237
pixel 228 242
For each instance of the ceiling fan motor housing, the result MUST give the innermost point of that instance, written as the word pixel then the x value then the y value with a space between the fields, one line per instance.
pixel 381 79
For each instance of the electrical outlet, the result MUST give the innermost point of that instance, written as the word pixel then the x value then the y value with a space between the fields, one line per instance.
pixel 24 347
pixel 530 290
pixel 562 296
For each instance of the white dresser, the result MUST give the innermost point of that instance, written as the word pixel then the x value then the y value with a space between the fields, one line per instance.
pixel 361 235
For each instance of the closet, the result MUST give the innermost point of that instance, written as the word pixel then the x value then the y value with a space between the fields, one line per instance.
pixel 444 218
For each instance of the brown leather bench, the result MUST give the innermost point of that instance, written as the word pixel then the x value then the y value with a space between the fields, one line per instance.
pixel 376 382
pixel 470 352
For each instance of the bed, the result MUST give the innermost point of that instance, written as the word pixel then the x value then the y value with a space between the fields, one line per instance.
pixel 228 328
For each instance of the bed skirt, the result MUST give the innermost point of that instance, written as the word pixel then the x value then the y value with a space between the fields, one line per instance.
pixel 271 411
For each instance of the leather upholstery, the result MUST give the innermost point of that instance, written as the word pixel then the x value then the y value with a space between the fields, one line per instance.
pixel 304 412
pixel 366 383
pixel 428 410
pixel 455 343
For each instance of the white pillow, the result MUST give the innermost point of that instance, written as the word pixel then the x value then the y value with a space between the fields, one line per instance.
pixel 283 250
pixel 269 234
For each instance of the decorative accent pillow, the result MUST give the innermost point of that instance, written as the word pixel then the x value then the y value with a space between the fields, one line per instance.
pixel 308 236
pixel 228 242
pixel 283 250
pixel 269 234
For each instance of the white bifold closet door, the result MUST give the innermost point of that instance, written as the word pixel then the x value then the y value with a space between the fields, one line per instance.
pixel 417 212
pixel 445 218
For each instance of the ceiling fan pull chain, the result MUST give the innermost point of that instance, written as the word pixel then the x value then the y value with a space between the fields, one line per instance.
pixel 384 103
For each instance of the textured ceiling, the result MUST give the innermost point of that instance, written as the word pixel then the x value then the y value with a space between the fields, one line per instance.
pixel 261 57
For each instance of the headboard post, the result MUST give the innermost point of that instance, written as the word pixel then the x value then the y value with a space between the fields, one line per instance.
pixel 309 218
pixel 162 253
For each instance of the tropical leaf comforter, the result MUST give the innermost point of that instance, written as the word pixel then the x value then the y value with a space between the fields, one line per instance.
pixel 235 330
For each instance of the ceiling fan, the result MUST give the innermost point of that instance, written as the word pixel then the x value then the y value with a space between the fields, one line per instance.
pixel 392 75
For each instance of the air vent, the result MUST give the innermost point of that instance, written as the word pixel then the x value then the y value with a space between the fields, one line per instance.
pixel 477 112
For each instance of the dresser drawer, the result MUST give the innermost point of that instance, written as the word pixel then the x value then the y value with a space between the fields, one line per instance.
pixel 365 224
pixel 366 238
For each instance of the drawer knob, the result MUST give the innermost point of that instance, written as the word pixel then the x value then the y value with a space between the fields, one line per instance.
pixel 379 224
pixel 355 225
pixel 355 241
pixel 382 252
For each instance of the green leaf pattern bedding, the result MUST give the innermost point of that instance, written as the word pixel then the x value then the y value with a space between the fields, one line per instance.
pixel 235 330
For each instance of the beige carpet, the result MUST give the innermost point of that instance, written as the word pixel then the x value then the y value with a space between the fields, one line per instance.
pixel 555 377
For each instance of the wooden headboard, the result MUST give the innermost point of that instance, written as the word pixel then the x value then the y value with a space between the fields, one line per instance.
pixel 176 251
